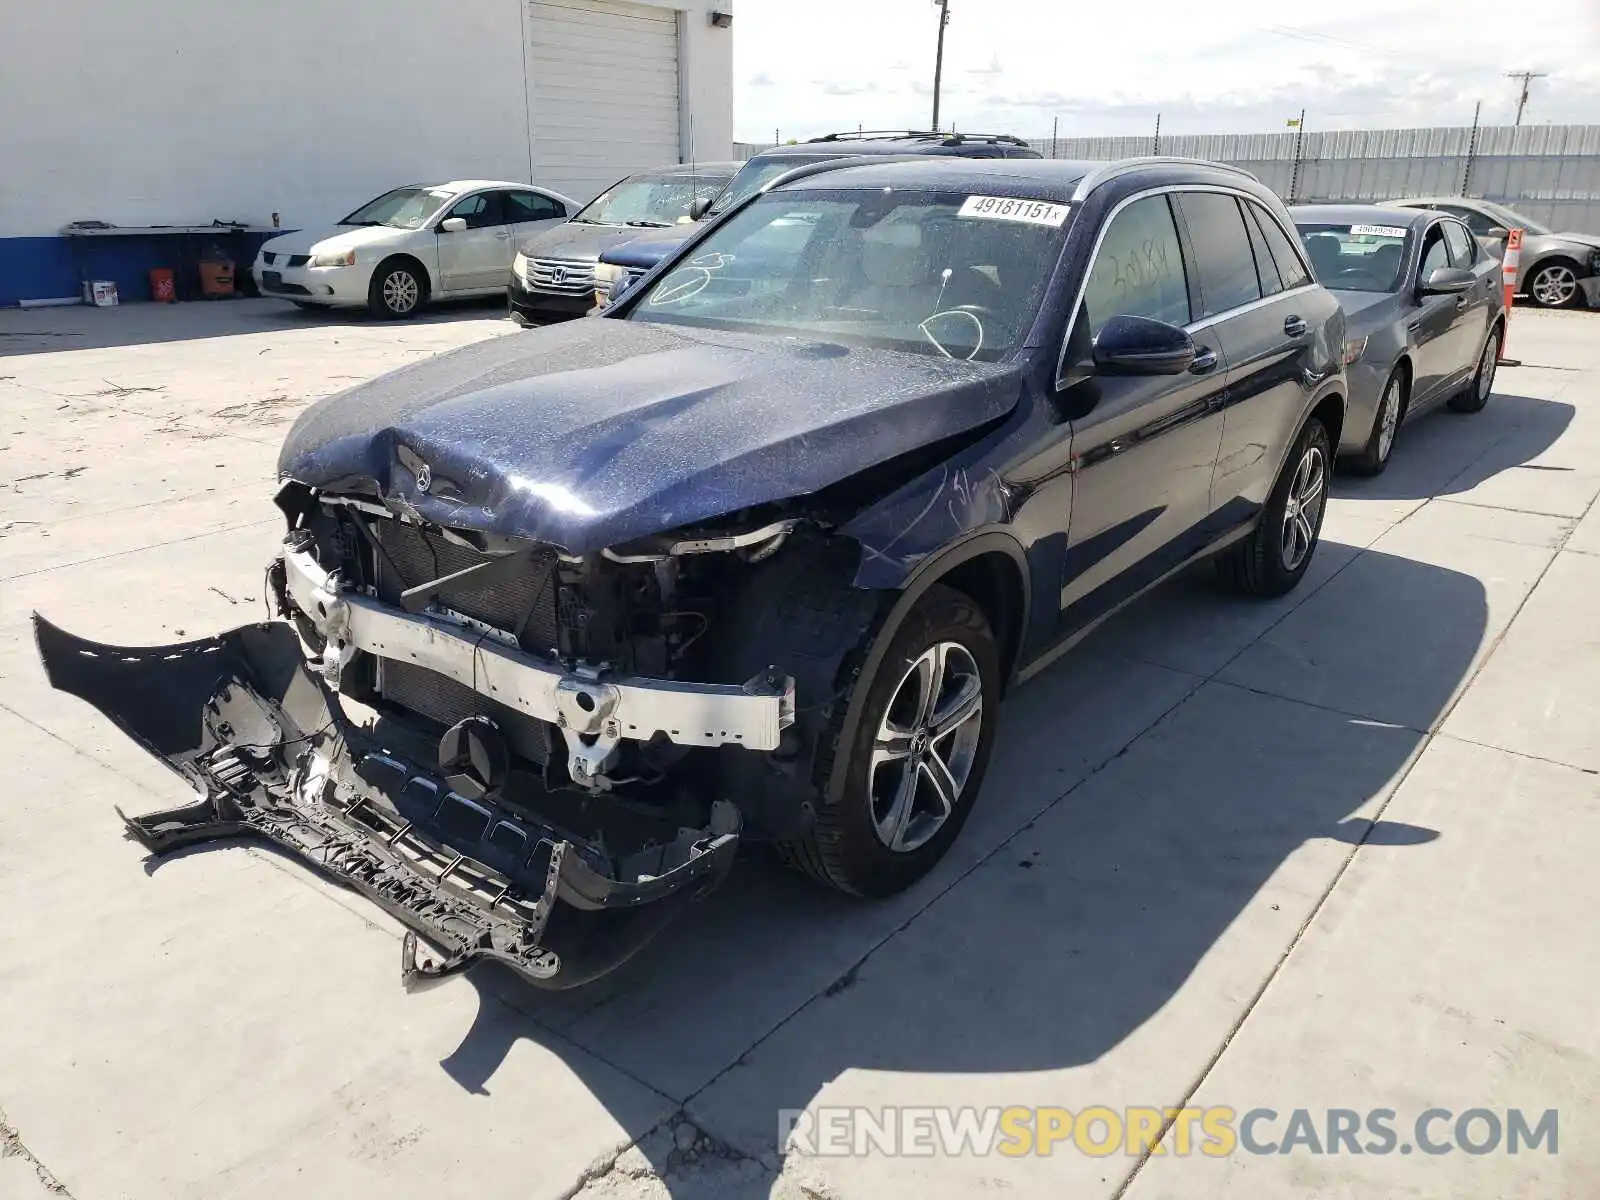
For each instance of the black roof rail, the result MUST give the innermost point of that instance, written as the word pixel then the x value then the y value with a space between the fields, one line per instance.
pixel 949 139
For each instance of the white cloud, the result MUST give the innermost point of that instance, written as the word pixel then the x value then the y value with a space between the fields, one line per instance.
pixel 1016 65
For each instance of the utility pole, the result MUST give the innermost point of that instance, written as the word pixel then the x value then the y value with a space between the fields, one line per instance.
pixel 1055 128
pixel 1156 149
pixel 1299 124
pixel 1527 78
pixel 1472 150
pixel 938 61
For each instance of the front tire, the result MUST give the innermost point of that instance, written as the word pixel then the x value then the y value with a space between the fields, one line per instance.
pixel 892 807
pixel 1477 393
pixel 1374 456
pixel 1277 553
pixel 398 290
pixel 1555 285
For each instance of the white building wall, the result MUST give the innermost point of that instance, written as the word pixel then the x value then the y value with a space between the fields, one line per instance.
pixel 179 111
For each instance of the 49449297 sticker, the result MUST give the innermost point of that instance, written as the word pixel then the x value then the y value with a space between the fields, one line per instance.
pixel 1009 208
pixel 1391 231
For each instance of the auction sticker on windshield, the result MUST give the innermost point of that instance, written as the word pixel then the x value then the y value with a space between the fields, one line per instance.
pixel 1393 231
pixel 1008 208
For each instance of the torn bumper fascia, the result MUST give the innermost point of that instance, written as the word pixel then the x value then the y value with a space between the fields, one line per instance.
pixel 594 711
pixel 271 754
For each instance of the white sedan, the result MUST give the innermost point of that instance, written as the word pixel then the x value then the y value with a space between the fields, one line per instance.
pixel 415 243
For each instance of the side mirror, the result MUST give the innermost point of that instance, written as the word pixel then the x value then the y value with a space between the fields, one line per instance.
pixel 698 208
pixel 1129 345
pixel 453 225
pixel 1447 281
pixel 1496 233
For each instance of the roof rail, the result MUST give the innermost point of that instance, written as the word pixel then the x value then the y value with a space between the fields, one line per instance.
pixel 1111 170
pixel 949 139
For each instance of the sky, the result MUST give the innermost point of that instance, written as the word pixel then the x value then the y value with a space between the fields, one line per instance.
pixel 807 67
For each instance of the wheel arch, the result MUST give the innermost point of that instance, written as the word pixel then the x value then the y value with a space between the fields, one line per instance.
pixel 405 256
pixel 992 568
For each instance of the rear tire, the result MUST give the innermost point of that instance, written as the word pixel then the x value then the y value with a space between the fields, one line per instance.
pixel 1374 456
pixel 398 289
pixel 918 753
pixel 1276 554
pixel 1476 394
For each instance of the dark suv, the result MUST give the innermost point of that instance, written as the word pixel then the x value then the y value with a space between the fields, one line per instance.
pixel 755 555
pixel 625 263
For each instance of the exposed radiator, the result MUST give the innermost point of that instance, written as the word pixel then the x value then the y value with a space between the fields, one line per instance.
pixel 523 598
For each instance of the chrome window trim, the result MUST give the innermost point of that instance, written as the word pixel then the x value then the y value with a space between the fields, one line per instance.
pixel 1205 322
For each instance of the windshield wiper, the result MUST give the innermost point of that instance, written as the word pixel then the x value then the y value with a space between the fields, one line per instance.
pixel 361 222
pixel 651 224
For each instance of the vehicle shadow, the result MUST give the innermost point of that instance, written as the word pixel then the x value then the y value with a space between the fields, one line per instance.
pixel 78 327
pixel 1079 903
pixel 1443 453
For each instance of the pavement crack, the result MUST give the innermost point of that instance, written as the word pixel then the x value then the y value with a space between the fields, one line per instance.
pixel 12 1146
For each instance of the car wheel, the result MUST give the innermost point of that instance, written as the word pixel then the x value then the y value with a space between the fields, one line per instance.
pixel 1374 456
pixel 1476 394
pixel 1276 554
pixel 1554 285
pixel 917 757
pixel 398 290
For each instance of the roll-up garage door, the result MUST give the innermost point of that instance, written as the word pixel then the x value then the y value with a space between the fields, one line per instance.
pixel 603 91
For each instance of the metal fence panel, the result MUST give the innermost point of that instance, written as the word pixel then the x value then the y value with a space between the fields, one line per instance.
pixel 1551 172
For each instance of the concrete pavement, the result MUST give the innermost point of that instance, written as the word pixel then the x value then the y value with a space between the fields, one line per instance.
pixel 1329 851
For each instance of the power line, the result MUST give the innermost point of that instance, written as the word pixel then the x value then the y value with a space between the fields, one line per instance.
pixel 1527 78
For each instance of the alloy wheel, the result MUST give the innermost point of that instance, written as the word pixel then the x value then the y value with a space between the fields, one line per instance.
pixel 926 746
pixel 1554 286
pixel 1388 420
pixel 1303 508
pixel 1487 366
pixel 400 292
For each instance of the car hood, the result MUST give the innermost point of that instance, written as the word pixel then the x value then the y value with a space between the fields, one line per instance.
pixel 1365 311
pixel 1582 239
pixel 596 432
pixel 647 251
pixel 333 238
pixel 575 239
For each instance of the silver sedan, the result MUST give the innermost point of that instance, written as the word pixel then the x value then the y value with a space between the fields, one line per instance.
pixel 1425 316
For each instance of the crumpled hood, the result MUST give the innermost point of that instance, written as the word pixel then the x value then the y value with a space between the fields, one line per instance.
pixel 576 239
pixel 595 432
pixel 334 238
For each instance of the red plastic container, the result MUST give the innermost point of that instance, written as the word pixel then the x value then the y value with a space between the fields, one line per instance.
pixel 163 287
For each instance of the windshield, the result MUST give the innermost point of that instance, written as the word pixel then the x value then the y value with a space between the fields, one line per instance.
pixel 650 200
pixel 757 172
pixel 1512 219
pixel 939 273
pixel 1356 258
pixel 403 208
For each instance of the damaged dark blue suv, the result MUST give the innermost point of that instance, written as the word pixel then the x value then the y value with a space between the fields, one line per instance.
pixel 755 556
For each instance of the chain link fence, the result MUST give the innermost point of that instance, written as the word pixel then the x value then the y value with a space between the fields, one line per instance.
pixel 1549 172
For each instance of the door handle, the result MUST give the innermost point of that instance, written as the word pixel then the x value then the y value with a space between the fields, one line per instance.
pixel 1205 359
pixel 503 234
pixel 1294 326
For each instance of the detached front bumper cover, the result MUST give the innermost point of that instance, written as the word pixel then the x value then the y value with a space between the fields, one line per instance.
pixel 271 754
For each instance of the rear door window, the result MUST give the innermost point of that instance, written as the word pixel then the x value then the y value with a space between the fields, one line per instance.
pixel 1291 267
pixel 1223 260
pixel 1138 269
pixel 533 206
pixel 1266 269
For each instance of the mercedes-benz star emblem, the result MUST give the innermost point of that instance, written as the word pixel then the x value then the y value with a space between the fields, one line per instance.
pixel 424 478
